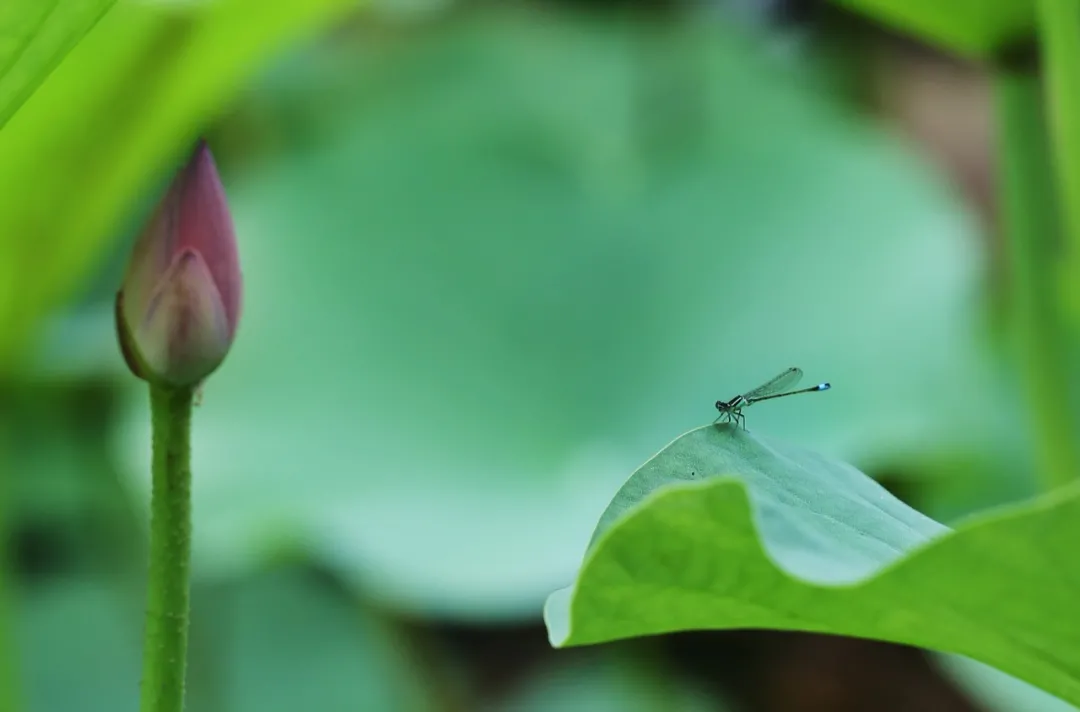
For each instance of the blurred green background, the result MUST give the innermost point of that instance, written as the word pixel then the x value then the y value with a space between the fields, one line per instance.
pixel 495 256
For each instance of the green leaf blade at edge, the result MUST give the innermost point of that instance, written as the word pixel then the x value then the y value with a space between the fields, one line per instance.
pixel 995 590
pixel 39 36
pixel 969 28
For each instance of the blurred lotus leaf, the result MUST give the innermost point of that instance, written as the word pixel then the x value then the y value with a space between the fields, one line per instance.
pixel 524 255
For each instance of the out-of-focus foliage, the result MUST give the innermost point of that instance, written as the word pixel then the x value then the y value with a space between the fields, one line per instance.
pixel 95 670
pixel 94 98
pixel 611 684
pixel 793 541
pixel 288 642
pixel 997 692
pixel 534 250
pixel 976 28
pixel 274 642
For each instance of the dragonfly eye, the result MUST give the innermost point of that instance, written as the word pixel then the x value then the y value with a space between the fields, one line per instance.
pixel 719 405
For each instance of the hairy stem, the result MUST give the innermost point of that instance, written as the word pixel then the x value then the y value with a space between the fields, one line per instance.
pixel 168 586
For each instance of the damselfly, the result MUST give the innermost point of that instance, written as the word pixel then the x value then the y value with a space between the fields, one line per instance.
pixel 775 388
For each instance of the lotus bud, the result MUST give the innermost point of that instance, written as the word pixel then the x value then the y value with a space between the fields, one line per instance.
pixel 177 311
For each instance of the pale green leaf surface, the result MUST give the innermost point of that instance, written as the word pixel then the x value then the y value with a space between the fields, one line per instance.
pixel 725 530
pixel 80 647
pixel 293 642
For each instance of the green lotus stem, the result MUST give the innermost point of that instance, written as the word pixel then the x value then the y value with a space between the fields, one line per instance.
pixel 1029 209
pixel 1059 40
pixel 168 587
pixel 10 700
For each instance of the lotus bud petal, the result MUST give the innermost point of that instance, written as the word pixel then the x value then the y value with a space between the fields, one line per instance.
pixel 179 306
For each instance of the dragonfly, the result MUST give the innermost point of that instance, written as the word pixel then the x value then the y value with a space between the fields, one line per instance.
pixel 776 387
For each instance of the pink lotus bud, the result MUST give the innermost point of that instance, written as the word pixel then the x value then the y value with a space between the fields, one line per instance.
pixel 177 311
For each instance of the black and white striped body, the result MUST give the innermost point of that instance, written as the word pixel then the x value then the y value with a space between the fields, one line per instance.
pixel 732 409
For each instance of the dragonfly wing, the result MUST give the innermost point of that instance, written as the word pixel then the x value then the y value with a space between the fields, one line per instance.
pixel 783 382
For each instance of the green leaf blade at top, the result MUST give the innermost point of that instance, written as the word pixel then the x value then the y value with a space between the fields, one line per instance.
pixel 971 28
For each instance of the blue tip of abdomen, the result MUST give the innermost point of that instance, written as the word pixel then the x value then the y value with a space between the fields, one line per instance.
pixel 824 386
